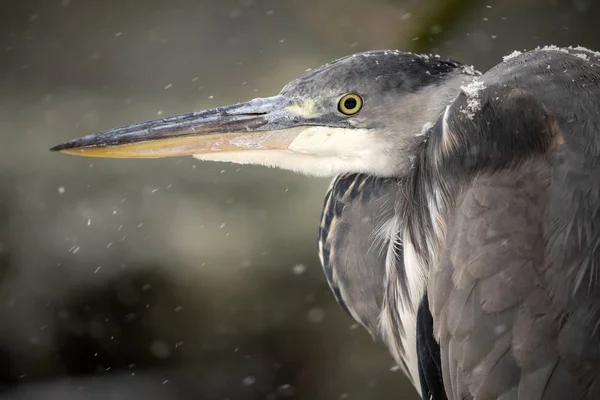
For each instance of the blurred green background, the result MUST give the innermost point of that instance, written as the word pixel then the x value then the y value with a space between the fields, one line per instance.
pixel 176 279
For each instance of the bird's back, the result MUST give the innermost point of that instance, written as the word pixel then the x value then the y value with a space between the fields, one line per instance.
pixel 514 286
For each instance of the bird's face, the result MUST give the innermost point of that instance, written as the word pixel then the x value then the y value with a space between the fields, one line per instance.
pixel 348 116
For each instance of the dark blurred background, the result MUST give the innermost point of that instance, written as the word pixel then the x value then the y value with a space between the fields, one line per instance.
pixel 175 279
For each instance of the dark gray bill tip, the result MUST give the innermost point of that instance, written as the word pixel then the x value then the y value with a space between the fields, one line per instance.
pixel 71 144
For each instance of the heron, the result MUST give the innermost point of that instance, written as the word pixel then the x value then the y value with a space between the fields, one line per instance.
pixel 462 225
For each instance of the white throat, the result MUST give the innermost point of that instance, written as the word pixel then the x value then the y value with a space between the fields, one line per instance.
pixel 318 151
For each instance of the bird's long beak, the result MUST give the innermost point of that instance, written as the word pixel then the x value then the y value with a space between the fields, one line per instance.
pixel 260 124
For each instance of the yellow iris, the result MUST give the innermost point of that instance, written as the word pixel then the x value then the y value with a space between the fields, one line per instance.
pixel 350 104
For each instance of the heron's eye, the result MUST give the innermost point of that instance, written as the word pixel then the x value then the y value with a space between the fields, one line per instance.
pixel 350 104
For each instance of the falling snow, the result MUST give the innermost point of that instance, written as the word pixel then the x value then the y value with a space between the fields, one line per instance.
pixel 160 349
pixel 316 314
pixel 285 390
pixel 499 329
pixel 299 269
pixel 248 380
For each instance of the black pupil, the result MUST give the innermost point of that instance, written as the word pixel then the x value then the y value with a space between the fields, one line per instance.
pixel 350 103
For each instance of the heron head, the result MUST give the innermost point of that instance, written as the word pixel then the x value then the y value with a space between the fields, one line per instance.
pixel 360 113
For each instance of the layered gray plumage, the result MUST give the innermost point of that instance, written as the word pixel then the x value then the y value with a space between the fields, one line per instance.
pixel 463 226
pixel 512 261
pixel 513 272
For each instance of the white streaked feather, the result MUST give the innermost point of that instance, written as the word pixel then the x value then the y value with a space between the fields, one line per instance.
pixel 436 206
pixel 383 235
pixel 416 277
pixel 403 347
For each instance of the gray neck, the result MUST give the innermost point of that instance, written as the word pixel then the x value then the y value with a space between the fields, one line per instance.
pixel 405 277
pixel 419 112
pixel 436 99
